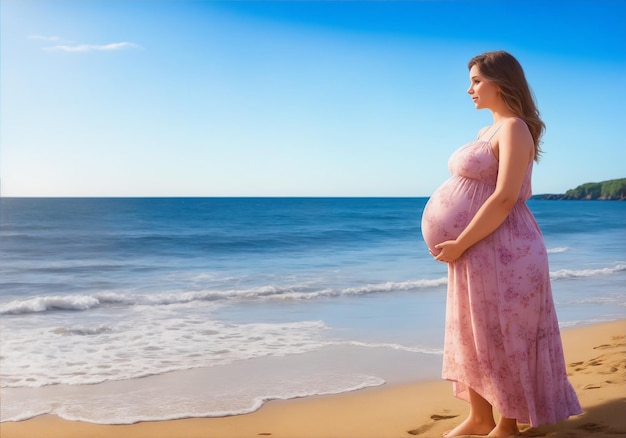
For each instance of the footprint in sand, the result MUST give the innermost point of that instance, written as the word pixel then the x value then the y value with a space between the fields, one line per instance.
pixel 617 343
pixel 607 369
pixel 442 417
pixel 426 427
pixel 585 366
pixel 610 371
pixel 577 366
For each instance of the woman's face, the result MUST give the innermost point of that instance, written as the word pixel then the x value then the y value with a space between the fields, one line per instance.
pixel 485 94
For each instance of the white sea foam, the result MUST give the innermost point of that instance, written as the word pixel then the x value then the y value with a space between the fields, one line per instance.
pixel 577 273
pixel 392 346
pixel 236 388
pixel 303 291
pixel 152 342
pixel 557 250
pixel 145 344
pixel 42 304
pixel 62 302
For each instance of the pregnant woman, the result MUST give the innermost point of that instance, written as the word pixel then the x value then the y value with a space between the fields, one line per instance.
pixel 502 341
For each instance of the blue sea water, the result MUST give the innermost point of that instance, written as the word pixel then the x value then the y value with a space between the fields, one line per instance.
pixel 117 310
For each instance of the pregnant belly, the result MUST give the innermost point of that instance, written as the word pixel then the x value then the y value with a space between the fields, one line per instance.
pixel 446 214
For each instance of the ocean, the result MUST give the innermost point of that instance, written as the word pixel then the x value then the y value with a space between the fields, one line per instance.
pixel 119 310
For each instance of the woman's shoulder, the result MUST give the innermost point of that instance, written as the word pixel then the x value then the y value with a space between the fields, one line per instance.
pixel 515 123
pixel 515 127
pixel 514 135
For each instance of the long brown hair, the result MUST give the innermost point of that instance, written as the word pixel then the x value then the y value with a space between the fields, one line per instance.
pixel 503 70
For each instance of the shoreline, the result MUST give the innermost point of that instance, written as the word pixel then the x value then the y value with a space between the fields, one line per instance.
pixel 596 361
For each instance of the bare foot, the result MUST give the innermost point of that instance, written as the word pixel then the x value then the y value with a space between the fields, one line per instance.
pixel 504 430
pixel 471 427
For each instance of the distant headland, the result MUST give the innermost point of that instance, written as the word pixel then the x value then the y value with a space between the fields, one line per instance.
pixel 611 190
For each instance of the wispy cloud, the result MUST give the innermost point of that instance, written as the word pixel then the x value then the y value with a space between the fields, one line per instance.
pixel 65 45
pixel 92 47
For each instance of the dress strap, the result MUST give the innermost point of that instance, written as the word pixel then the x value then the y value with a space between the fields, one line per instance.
pixel 496 130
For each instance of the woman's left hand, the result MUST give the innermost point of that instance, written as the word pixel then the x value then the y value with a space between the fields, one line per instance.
pixel 449 251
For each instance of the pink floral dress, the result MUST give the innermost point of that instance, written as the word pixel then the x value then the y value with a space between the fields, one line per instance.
pixel 502 337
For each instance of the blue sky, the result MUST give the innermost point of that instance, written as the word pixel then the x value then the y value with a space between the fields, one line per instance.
pixel 328 98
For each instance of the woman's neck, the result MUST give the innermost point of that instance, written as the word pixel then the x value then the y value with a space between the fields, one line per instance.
pixel 499 116
pixel 501 111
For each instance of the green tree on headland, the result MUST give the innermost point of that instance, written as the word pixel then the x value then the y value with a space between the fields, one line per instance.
pixel 614 189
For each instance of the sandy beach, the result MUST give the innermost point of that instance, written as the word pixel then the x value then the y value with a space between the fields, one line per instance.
pixel 596 360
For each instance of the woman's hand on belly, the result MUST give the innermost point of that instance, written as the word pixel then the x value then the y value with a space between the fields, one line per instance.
pixel 449 251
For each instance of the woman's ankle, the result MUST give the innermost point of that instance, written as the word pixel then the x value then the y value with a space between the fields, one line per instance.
pixel 506 427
